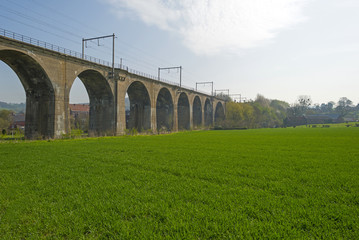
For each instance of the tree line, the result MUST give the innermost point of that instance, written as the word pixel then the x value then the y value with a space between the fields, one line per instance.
pixel 260 113
pixel 267 113
pixel 6 119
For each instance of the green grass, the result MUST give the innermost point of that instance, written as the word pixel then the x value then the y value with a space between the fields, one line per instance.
pixel 261 184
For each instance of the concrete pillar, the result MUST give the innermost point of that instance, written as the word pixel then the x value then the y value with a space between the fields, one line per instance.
pixel 153 96
pixel 175 111
pixel 202 106
pixel 121 110
pixel 213 111
pixel 57 72
pixel 191 115
pixel 62 119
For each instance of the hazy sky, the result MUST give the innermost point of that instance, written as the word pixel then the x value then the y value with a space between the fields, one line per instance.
pixel 278 48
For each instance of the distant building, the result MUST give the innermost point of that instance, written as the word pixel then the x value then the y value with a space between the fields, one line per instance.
pixel 79 115
pixel 294 121
pixel 18 121
pixel 79 109
pixel 349 119
pixel 323 118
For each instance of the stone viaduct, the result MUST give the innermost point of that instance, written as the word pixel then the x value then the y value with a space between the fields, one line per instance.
pixel 47 76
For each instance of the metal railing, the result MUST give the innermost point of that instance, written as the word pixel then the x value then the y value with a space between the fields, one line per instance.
pixel 52 47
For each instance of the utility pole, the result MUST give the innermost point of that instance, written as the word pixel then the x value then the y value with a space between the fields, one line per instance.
pixel 113 49
pixel 204 83
pixel 236 96
pixel 112 70
pixel 221 90
pixel 169 68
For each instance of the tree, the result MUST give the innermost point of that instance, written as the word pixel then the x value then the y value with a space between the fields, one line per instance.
pixel 331 106
pixel 294 111
pixel 234 114
pixel 223 96
pixel 304 102
pixel 262 100
pixel 280 110
pixel 5 119
pixel 343 106
pixel 262 112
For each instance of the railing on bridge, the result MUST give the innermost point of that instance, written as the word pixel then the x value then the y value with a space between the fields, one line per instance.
pixel 52 47
pixel 49 46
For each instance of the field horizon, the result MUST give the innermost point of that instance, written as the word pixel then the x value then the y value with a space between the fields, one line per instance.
pixel 258 183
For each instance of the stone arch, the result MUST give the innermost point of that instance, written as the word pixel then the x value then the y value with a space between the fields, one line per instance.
pixel 197 112
pixel 139 116
pixel 208 113
pixel 40 96
pixel 219 114
pixel 183 112
pixel 101 115
pixel 164 110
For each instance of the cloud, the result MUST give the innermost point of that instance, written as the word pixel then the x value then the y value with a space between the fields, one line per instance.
pixel 211 27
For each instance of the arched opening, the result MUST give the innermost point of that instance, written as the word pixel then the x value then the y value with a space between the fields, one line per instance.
pixel 101 110
pixel 183 112
pixel 208 113
pixel 79 109
pixel 197 112
pixel 219 114
pixel 12 104
pixel 164 110
pixel 40 97
pixel 139 117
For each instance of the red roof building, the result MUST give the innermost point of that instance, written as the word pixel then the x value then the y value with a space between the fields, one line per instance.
pixel 79 108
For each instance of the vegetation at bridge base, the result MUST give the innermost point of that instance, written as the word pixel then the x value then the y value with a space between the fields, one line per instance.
pixel 284 183
pixel 261 113
pixel 7 130
pixel 79 125
pixel 5 120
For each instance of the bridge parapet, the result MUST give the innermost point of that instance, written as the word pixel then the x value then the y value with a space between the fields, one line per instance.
pixel 75 54
pixel 57 68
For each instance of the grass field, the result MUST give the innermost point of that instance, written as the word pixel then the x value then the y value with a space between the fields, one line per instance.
pixel 267 183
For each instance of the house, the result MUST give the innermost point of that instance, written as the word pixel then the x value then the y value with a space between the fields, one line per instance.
pixel 79 115
pixel 18 121
pixel 349 119
pixel 323 118
pixel 79 109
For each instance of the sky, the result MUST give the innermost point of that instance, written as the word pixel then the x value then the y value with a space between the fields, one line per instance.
pixel 280 49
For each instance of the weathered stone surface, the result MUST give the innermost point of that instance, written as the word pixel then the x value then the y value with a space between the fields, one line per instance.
pixel 47 77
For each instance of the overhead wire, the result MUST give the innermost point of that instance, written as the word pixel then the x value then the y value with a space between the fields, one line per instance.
pixel 159 61
pixel 34 27
pixel 130 53
pixel 44 16
pixel 25 16
pixel 67 16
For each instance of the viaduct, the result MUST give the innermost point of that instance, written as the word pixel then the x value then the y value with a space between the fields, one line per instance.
pixel 47 73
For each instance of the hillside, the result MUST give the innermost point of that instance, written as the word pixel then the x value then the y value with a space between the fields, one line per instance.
pixel 16 107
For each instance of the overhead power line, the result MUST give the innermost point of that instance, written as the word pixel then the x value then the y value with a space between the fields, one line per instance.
pixel 41 22
pixel 130 53
pixel 40 29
